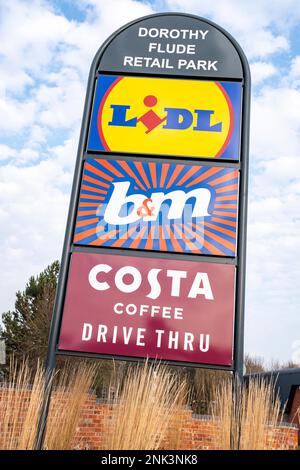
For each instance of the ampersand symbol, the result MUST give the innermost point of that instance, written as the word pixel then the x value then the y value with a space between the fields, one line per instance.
pixel 144 210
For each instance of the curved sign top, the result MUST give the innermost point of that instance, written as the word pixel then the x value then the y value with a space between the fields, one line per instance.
pixel 176 45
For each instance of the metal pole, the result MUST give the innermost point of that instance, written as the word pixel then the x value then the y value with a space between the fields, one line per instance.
pixel 236 417
pixel 42 423
pixel 242 235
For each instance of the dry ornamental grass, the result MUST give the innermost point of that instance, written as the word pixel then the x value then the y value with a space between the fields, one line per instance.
pixel 147 410
pixel 73 387
pixel 20 406
pixel 245 415
pixel 144 408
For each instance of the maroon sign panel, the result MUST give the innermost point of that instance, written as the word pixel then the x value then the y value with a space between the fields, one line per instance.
pixel 168 309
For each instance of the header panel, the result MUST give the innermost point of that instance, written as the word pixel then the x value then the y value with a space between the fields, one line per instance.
pixel 172 44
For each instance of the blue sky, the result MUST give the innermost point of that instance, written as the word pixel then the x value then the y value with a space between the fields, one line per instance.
pixel 46 51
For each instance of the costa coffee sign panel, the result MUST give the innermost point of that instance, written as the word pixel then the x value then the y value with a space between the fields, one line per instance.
pixel 158 308
pixel 160 116
pixel 158 206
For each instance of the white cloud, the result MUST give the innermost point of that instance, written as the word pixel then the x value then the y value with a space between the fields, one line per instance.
pixel 36 31
pixel 65 153
pixel 16 114
pixel 7 152
pixel 32 223
pixel 272 320
pixel 274 221
pixel 275 123
pixel 295 69
pixel 260 71
pixel 260 27
pixel 273 299
pixel 12 77
pixel 60 106
pixel 52 55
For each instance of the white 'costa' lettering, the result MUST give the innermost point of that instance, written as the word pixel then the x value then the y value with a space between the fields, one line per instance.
pixel 199 286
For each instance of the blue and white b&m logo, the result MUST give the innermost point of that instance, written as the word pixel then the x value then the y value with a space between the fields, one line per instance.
pixel 158 206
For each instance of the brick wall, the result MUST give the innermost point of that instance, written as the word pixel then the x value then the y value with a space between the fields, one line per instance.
pixel 295 410
pixel 195 432
pixel 17 401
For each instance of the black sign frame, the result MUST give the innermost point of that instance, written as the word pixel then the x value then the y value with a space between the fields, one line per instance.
pixel 97 67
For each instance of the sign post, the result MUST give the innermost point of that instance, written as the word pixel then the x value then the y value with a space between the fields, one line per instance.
pixel 159 198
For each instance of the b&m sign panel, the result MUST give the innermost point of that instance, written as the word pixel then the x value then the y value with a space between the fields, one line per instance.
pixel 160 116
pixel 158 206
pixel 148 307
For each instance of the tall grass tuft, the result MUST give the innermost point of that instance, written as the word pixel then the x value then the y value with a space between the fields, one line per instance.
pixel 245 415
pixel 73 386
pixel 145 406
pixel 20 405
pixel 204 383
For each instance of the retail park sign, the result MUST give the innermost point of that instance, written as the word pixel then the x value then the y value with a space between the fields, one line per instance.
pixel 173 44
pixel 171 48
pixel 154 255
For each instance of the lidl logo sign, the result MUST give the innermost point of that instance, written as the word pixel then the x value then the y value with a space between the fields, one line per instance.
pixel 174 118
pixel 158 206
pixel 166 117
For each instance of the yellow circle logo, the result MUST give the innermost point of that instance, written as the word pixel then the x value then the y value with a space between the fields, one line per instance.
pixel 165 116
